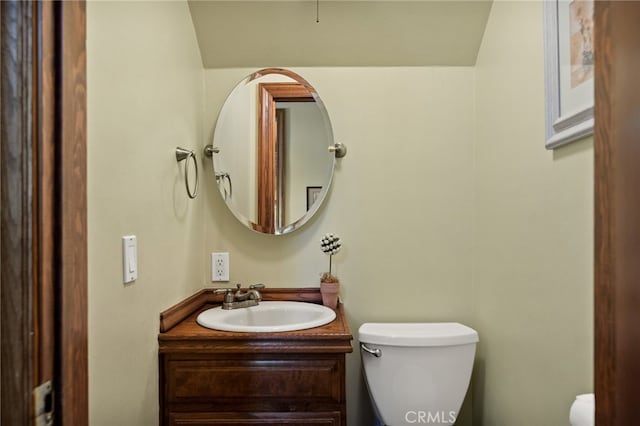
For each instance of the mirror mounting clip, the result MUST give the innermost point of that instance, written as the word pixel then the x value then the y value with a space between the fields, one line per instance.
pixel 339 148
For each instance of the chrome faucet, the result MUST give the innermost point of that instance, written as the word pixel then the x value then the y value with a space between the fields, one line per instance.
pixel 240 299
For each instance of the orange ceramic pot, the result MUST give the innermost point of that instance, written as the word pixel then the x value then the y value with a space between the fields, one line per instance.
pixel 329 293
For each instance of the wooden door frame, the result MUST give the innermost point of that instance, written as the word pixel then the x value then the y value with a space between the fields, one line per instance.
pixel 617 213
pixel 44 237
pixel 19 222
pixel 71 172
pixel 268 153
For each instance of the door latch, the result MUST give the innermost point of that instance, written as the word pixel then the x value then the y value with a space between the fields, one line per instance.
pixel 43 404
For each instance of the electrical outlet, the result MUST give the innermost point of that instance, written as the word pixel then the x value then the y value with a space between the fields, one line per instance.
pixel 219 266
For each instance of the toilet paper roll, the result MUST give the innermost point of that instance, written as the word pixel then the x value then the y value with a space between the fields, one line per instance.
pixel 583 410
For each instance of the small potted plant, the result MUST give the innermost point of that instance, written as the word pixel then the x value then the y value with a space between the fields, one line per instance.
pixel 329 284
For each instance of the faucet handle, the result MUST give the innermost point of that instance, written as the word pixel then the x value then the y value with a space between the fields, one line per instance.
pixel 256 286
pixel 228 293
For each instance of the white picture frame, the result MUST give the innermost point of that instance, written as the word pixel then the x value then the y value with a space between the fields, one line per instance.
pixel 568 93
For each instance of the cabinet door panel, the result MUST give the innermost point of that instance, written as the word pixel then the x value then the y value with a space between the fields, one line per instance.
pixel 208 380
pixel 254 419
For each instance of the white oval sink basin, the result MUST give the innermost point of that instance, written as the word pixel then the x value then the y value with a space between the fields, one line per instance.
pixel 267 317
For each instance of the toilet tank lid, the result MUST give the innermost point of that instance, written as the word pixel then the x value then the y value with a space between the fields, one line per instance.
pixel 417 334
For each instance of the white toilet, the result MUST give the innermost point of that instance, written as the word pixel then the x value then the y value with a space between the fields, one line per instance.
pixel 583 410
pixel 417 373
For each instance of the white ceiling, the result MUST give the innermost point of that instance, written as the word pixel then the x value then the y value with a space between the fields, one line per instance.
pixel 350 33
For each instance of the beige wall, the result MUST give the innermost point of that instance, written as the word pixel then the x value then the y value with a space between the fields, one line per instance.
pixel 533 237
pixel 144 99
pixel 401 200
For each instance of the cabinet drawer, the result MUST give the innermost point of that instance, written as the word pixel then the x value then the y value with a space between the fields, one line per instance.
pixel 240 419
pixel 211 380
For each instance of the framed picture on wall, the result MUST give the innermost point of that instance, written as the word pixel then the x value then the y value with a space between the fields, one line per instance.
pixel 312 195
pixel 568 54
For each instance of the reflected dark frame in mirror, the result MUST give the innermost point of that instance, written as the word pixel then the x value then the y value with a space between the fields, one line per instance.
pixel 312 195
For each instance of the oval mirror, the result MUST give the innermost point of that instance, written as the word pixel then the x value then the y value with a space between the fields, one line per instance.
pixel 270 156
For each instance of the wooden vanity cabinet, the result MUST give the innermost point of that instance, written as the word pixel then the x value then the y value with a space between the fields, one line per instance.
pixel 210 377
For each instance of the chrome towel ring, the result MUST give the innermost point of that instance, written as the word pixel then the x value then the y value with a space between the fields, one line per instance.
pixel 185 154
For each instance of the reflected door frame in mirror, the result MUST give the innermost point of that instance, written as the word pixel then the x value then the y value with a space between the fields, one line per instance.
pixel 271 150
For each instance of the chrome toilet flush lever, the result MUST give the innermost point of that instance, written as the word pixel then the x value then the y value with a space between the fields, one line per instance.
pixel 375 352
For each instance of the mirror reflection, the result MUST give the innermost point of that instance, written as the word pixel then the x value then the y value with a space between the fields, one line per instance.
pixel 270 156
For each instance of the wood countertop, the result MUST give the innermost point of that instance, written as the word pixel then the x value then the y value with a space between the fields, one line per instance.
pixel 179 331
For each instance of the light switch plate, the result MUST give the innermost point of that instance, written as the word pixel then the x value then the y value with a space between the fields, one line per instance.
pixel 129 258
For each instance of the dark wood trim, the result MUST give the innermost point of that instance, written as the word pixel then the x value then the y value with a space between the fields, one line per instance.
pixel 178 312
pixel 308 294
pixel 288 92
pixel 181 310
pixel 617 213
pixel 46 190
pixel 604 302
pixel 268 95
pixel 281 170
pixel 327 418
pixel 18 25
pixel 72 232
pixel 266 172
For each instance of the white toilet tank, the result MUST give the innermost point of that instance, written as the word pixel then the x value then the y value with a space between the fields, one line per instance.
pixel 422 372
